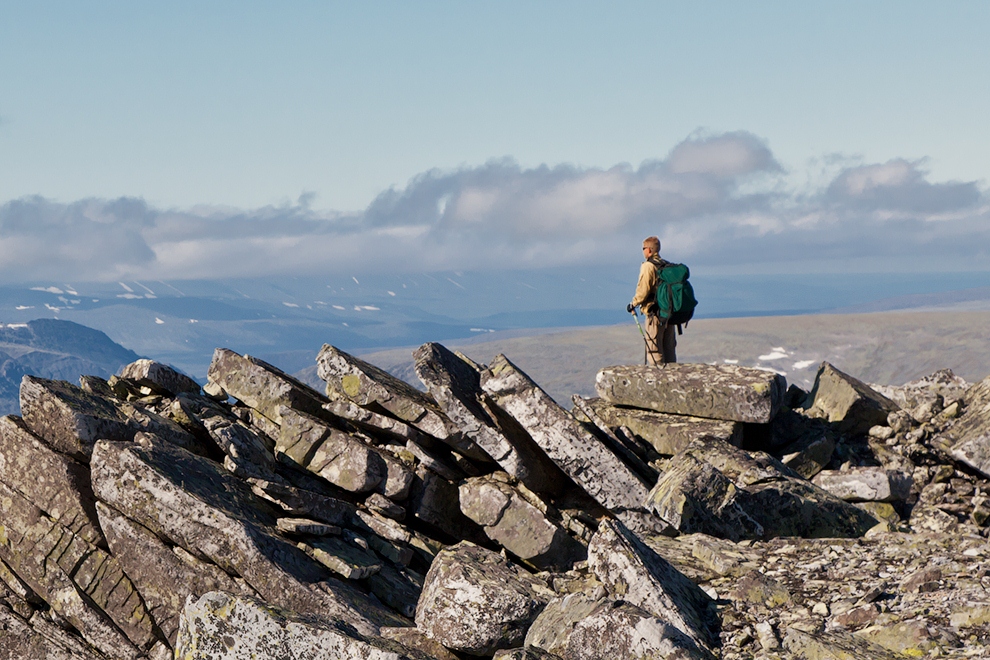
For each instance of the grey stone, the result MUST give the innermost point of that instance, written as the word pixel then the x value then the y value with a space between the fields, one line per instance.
pixel 866 484
pixel 633 572
pixel 618 630
pixel 723 392
pixel 397 587
pixel 53 482
pixel 192 502
pixel 71 420
pixel 446 469
pixel 436 501
pixel 524 654
pixel 476 602
pixel 456 386
pixel 338 457
pixel 553 627
pixel 572 447
pixel 375 423
pixel 262 386
pixel 833 644
pixel 970 434
pixel 220 626
pixel 159 377
pixel 355 380
pixel 163 576
pixel 518 526
pixel 666 433
pixel 306 526
pixel 301 502
pixel 382 505
pixel 346 559
pixel 721 490
pixel 849 403
pixel 81 582
pixel 415 639
pixel 20 640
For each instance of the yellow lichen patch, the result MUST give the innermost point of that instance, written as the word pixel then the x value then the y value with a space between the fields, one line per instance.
pixel 351 384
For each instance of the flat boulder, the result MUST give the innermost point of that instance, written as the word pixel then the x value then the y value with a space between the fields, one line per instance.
pixel 159 377
pixel 633 572
pixel 724 392
pixel 849 403
pixel 456 387
pixel 575 450
pixel 866 484
pixel 519 526
pixel 724 491
pixel 221 626
pixel 666 433
pixel 475 601
pixel 970 434
pixel 261 386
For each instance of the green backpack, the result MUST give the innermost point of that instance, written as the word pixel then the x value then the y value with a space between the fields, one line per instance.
pixel 675 296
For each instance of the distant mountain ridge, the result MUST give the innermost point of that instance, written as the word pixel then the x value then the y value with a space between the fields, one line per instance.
pixel 56 349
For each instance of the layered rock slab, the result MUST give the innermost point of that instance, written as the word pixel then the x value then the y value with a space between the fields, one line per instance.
pixel 633 572
pixel 55 483
pixel 476 602
pixel 220 626
pixel 571 446
pixel 866 484
pixel 366 385
pixel 81 582
pixel 724 392
pixel 666 433
pixel 193 503
pixel 263 387
pixel 516 524
pixel 724 491
pixel 456 387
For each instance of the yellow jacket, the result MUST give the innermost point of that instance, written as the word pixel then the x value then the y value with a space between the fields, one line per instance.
pixel 646 288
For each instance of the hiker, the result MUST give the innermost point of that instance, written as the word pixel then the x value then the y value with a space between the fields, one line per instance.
pixel 661 337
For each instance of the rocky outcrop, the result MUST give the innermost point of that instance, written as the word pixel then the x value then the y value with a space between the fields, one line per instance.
pixel 723 392
pixel 143 519
pixel 970 436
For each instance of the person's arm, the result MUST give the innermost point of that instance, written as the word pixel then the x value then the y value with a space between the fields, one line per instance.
pixel 646 283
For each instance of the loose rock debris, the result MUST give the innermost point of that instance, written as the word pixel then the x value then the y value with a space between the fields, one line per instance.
pixel 688 512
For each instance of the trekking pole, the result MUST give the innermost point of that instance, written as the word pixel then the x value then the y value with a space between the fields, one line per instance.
pixel 646 344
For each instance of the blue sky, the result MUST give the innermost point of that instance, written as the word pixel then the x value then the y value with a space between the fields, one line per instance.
pixel 541 133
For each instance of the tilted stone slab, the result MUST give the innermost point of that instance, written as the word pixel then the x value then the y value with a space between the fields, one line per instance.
pixel 220 626
pixel 724 391
pixel 53 482
pixel 375 423
pixel 164 577
pixel 571 446
pixel 970 434
pixel 343 558
pixel 355 380
pixel 847 402
pixel 22 641
pixel 633 572
pixel 517 525
pixel 668 434
pixel 866 484
pixel 81 582
pixel 159 377
pixel 193 503
pixel 301 502
pixel 71 420
pixel 261 386
pixel 723 491
pixel 475 601
pixel 436 501
pixel 553 627
pixel 456 387
pixel 338 457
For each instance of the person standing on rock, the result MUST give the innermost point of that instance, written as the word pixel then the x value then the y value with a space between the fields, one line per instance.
pixel 661 337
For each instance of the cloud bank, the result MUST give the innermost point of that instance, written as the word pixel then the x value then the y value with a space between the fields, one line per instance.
pixel 718 201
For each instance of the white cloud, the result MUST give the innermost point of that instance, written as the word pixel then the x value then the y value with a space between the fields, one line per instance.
pixel 720 201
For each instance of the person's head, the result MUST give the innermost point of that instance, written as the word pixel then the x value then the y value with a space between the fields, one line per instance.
pixel 651 247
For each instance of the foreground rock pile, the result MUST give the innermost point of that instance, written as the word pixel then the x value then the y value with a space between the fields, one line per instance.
pixel 691 511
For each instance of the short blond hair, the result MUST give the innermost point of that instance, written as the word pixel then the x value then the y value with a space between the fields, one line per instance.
pixel 652 242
